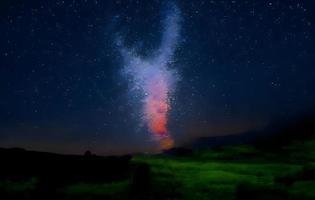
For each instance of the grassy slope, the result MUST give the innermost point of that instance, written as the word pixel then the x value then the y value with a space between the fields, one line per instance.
pixel 210 174
pixel 218 173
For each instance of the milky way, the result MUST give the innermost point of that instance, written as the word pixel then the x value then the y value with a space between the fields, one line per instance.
pixel 154 78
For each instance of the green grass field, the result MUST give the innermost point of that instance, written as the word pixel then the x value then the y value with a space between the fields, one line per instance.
pixel 223 173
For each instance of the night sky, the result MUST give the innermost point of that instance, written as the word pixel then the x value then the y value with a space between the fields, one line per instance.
pixel 231 67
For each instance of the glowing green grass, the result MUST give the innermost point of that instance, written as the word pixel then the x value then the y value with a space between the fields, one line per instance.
pixel 215 174
pixel 215 179
pixel 221 173
pixel 19 186
pixel 303 189
pixel 119 190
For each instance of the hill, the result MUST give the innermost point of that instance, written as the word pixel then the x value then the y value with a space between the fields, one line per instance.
pixel 278 163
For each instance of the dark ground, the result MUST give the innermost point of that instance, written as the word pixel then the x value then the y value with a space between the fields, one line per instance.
pixel 280 165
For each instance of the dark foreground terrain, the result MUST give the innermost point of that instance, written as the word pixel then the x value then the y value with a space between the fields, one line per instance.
pixel 281 166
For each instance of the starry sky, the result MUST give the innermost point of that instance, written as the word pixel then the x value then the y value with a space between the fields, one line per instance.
pixel 240 65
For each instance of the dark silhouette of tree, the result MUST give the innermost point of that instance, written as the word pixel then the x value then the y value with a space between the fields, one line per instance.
pixel 88 153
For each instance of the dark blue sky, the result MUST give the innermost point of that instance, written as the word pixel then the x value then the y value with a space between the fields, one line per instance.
pixel 242 65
